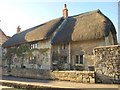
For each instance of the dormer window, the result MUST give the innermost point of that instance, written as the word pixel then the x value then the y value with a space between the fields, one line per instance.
pixel 33 45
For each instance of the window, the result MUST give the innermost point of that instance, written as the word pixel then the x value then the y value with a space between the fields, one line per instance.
pixel 33 45
pixel 81 59
pixel 65 59
pixel 77 59
pixel 32 60
pixel 63 46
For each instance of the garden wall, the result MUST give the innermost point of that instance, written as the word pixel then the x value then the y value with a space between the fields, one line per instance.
pixel 107 64
pixel 75 76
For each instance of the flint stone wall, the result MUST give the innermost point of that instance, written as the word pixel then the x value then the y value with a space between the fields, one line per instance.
pixel 107 64
pixel 75 76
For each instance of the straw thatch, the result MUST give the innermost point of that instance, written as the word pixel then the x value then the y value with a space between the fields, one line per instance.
pixel 86 26
pixel 92 25
pixel 18 38
pixel 63 34
pixel 44 31
pixel 33 34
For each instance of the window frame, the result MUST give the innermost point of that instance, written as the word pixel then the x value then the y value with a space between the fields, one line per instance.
pixel 33 45
pixel 81 60
pixel 77 59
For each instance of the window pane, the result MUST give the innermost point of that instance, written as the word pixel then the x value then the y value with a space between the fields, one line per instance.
pixel 81 59
pixel 65 59
pixel 77 59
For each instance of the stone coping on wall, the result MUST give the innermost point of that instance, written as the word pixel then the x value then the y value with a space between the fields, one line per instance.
pixel 75 71
pixel 107 46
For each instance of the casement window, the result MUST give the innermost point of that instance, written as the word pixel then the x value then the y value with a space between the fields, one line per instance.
pixel 79 59
pixel 63 46
pixel 32 60
pixel 65 59
pixel 33 45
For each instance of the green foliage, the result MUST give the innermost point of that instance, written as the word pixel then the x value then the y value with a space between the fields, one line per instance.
pixel 10 52
pixel 21 51
pixel 18 50
pixel 79 67
pixel 40 50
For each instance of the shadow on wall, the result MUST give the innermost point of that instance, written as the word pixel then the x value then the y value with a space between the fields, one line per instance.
pixel 100 78
pixel 25 74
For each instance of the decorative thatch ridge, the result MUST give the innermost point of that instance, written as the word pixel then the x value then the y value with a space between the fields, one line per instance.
pixel 86 26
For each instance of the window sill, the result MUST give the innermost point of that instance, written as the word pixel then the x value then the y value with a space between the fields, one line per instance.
pixel 79 65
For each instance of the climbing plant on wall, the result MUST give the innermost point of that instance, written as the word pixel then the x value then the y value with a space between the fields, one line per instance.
pixel 19 51
pixel 22 52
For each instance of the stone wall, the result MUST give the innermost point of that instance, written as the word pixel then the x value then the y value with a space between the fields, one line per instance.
pixel 107 64
pixel 75 76
pixel 28 73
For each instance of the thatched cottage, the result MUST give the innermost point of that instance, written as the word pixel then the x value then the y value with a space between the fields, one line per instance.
pixel 61 44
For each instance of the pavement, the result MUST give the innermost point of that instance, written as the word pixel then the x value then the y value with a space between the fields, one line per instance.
pixel 4 87
pixel 9 80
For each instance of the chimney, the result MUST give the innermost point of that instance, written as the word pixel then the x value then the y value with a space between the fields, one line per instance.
pixel 65 11
pixel 18 29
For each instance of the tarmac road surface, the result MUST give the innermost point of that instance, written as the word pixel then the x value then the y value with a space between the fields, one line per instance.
pixel 58 84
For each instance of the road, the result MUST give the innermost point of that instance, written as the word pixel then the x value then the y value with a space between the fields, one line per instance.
pixel 58 84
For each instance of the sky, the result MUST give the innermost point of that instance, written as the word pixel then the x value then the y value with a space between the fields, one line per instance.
pixel 29 13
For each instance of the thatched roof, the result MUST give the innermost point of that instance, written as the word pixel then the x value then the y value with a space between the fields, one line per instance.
pixel 91 25
pixel 44 31
pixel 86 26
pixel 18 38
pixel 64 33
pixel 39 32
